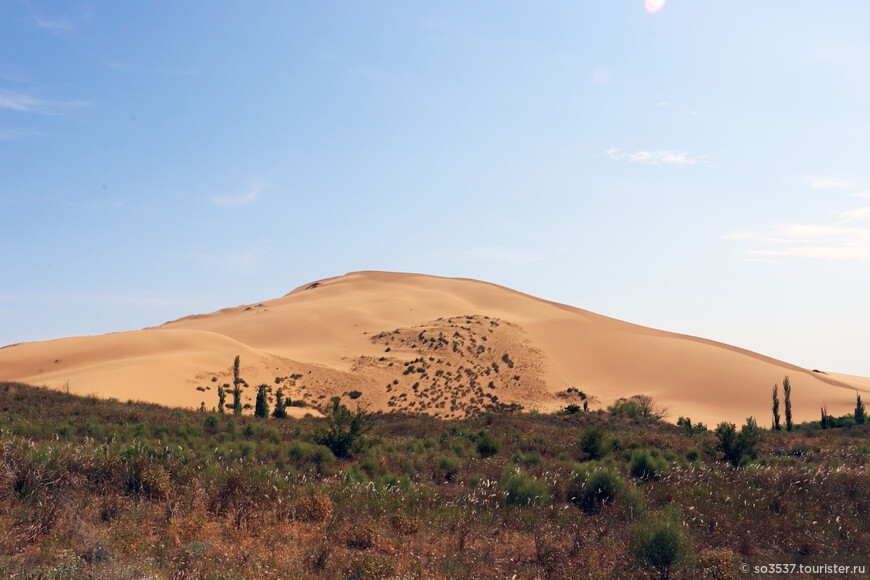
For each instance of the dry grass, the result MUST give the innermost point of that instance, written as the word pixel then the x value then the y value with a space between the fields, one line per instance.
pixel 119 490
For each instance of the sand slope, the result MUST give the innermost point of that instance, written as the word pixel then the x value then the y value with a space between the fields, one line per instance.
pixel 332 337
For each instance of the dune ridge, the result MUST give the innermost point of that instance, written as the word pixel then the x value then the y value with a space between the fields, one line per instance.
pixel 317 341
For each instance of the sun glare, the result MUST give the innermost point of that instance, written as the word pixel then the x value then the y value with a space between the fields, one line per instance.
pixel 653 6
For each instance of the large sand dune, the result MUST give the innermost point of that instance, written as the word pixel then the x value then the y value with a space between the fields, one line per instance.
pixel 443 346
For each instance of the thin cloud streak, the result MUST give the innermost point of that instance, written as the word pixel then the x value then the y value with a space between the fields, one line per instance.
pixel 661 157
pixel 809 241
pixel 832 183
pixel 859 214
pixel 26 104
pixel 237 201
pixel 54 24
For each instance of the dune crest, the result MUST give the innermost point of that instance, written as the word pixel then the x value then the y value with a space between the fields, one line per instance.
pixel 357 335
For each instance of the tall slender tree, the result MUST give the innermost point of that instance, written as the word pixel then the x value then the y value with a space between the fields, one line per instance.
pixel 860 414
pixel 237 400
pixel 237 390
pixel 261 407
pixel 222 398
pixel 786 389
pixel 776 425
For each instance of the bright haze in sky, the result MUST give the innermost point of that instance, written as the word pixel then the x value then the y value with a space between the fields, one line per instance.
pixel 699 167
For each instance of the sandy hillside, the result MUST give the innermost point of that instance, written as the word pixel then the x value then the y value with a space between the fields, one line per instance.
pixel 443 346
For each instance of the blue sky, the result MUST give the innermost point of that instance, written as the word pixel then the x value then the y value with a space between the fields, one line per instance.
pixel 701 169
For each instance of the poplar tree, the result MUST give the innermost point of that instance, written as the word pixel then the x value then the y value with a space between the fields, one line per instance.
pixel 786 389
pixel 776 425
pixel 222 399
pixel 237 390
pixel 860 414
pixel 237 400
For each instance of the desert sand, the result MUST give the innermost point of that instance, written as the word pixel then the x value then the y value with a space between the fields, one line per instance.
pixel 418 343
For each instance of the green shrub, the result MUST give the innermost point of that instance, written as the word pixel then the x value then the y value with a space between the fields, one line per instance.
pixel 636 407
pixel 660 544
pixel 646 465
pixel 530 458
pixel 592 486
pixel 692 454
pixel 449 466
pixel 345 432
pixel 303 455
pixel 592 442
pixel 521 489
pixel 738 447
pixel 255 430
pixel 487 445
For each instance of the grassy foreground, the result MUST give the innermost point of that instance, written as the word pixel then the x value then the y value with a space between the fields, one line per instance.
pixel 105 489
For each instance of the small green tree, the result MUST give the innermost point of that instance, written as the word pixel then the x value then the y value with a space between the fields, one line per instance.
pixel 825 417
pixel 261 407
pixel 345 431
pixel 237 400
pixel 776 425
pixel 236 371
pixel 686 424
pixel 750 438
pixel 280 411
pixel 786 389
pixel 222 399
pixel 660 543
pixel 737 446
pixel 860 414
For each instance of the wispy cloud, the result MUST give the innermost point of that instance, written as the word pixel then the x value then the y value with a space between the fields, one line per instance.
pixel 54 24
pixel 808 241
pixel 831 183
pixel 237 200
pixel 62 17
pixel 505 255
pixel 861 194
pixel 858 214
pixel 660 157
pixel 27 104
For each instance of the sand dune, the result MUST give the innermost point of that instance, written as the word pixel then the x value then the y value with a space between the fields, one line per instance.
pixel 342 334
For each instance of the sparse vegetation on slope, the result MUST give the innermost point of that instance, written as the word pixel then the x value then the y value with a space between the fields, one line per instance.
pixel 92 488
